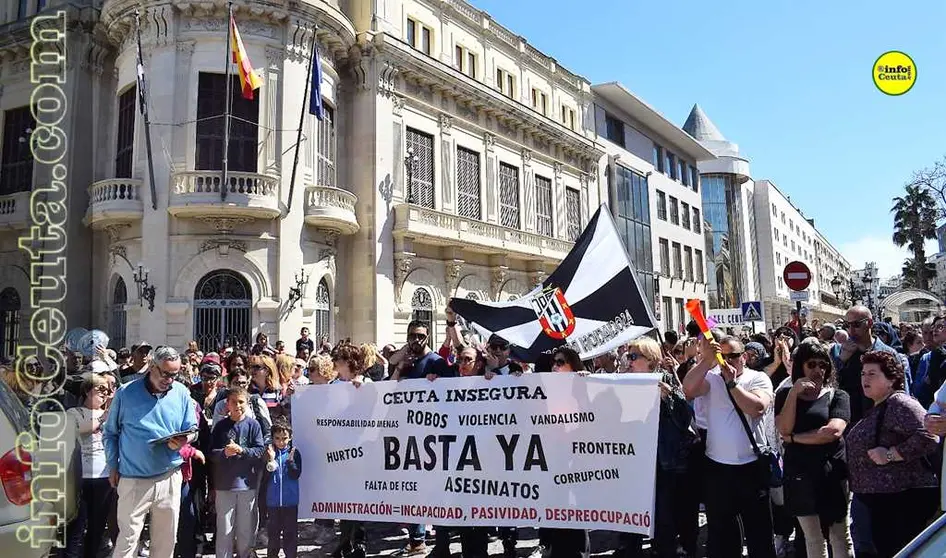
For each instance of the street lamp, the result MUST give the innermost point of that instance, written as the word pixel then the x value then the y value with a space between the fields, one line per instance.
pixel 410 161
pixel 836 286
pixel 145 290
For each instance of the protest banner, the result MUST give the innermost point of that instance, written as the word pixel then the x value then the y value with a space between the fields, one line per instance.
pixel 543 450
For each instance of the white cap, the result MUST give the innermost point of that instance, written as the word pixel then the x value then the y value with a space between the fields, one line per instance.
pixel 98 367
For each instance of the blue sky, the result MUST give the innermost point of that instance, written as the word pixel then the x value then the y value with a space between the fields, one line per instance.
pixel 789 81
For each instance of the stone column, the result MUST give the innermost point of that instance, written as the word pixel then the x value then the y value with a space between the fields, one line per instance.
pixel 491 199
pixel 447 168
pixel 559 207
pixel 397 188
pixel 527 192
pixel 182 137
pixel 270 106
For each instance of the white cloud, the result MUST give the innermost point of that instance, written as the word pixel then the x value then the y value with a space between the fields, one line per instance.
pixel 883 251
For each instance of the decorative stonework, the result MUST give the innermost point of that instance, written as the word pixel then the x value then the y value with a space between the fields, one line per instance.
pixel 114 232
pixel 489 141
pixel 403 264
pixel 222 246
pixel 537 278
pixel 497 280
pixel 118 251
pixel 446 123
pixel 225 225
pixel 419 91
pixel 526 157
pixel 275 57
pixel 452 269
pixel 186 47
pixel 397 105
pixel 557 168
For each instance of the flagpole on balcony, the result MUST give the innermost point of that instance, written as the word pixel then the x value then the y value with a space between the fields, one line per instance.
pixel 302 111
pixel 226 111
pixel 143 107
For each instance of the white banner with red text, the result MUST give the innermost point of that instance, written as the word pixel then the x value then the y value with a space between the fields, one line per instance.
pixel 542 450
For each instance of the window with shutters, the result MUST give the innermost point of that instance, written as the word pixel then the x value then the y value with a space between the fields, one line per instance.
pixel 677 261
pixel 244 125
pixel 9 322
pixel 326 148
pixel 688 263
pixel 16 165
pixel 124 150
pixel 697 221
pixel 543 205
pixel 685 215
pixel 661 205
pixel 468 183
pixel 664 256
pixel 508 196
pixel 674 211
pixel 506 83
pixel 573 213
pixel 420 170
pixel 700 276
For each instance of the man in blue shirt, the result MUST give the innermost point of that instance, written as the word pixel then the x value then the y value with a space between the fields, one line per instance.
pixel 148 475
pixel 416 360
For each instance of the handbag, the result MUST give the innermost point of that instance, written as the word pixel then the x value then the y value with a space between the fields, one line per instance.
pixel 769 462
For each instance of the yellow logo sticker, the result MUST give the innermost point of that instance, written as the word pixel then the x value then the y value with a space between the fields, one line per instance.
pixel 894 73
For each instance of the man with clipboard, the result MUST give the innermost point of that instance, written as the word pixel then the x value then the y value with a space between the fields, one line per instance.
pixel 149 421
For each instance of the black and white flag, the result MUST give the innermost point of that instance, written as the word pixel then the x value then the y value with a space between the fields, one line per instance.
pixel 592 301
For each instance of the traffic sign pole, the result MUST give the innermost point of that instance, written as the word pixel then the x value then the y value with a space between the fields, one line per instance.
pixel 797 277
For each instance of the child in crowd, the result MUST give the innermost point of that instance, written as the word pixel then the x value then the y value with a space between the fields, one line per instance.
pixel 284 465
pixel 236 450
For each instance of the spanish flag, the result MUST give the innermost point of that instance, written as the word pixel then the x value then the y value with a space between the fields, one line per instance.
pixel 249 81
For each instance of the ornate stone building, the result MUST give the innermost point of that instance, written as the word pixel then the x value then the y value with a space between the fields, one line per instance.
pixel 454 160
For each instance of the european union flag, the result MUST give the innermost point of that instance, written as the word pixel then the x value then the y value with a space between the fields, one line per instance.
pixel 315 101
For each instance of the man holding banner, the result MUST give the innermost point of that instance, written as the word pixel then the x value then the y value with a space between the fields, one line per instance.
pixel 559 451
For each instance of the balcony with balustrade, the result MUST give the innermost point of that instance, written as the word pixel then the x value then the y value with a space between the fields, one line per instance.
pixel 331 209
pixel 437 228
pixel 15 211
pixel 196 194
pixel 114 201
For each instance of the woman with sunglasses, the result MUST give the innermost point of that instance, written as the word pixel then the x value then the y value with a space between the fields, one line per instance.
pixel 97 493
pixel 811 415
pixel 675 440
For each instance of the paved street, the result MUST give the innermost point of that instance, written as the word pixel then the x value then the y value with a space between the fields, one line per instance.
pixel 386 539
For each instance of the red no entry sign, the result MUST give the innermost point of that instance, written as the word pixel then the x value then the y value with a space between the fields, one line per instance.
pixel 797 276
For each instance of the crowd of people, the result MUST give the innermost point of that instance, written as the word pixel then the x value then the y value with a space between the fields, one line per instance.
pixel 827 436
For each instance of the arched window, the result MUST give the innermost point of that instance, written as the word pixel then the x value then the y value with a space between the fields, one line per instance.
pixel 117 322
pixel 9 322
pixel 422 309
pixel 323 311
pixel 222 311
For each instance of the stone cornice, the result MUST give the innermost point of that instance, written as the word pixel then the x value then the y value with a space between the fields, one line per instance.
pixel 422 74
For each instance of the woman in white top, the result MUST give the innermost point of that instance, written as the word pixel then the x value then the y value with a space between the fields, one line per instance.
pixel 97 493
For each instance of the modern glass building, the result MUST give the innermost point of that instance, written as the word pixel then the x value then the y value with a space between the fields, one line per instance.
pixel 725 248
pixel 727 211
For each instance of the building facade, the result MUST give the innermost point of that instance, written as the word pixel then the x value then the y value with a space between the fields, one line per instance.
pixel 787 235
pixel 651 180
pixel 454 159
pixel 729 227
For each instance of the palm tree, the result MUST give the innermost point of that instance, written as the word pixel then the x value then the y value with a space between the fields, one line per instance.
pixel 910 276
pixel 914 221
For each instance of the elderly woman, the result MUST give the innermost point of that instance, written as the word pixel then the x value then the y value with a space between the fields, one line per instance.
pixel 675 440
pixel 811 415
pixel 888 457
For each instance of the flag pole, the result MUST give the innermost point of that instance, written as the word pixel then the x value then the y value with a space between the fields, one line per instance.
pixel 302 112
pixel 143 107
pixel 226 111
